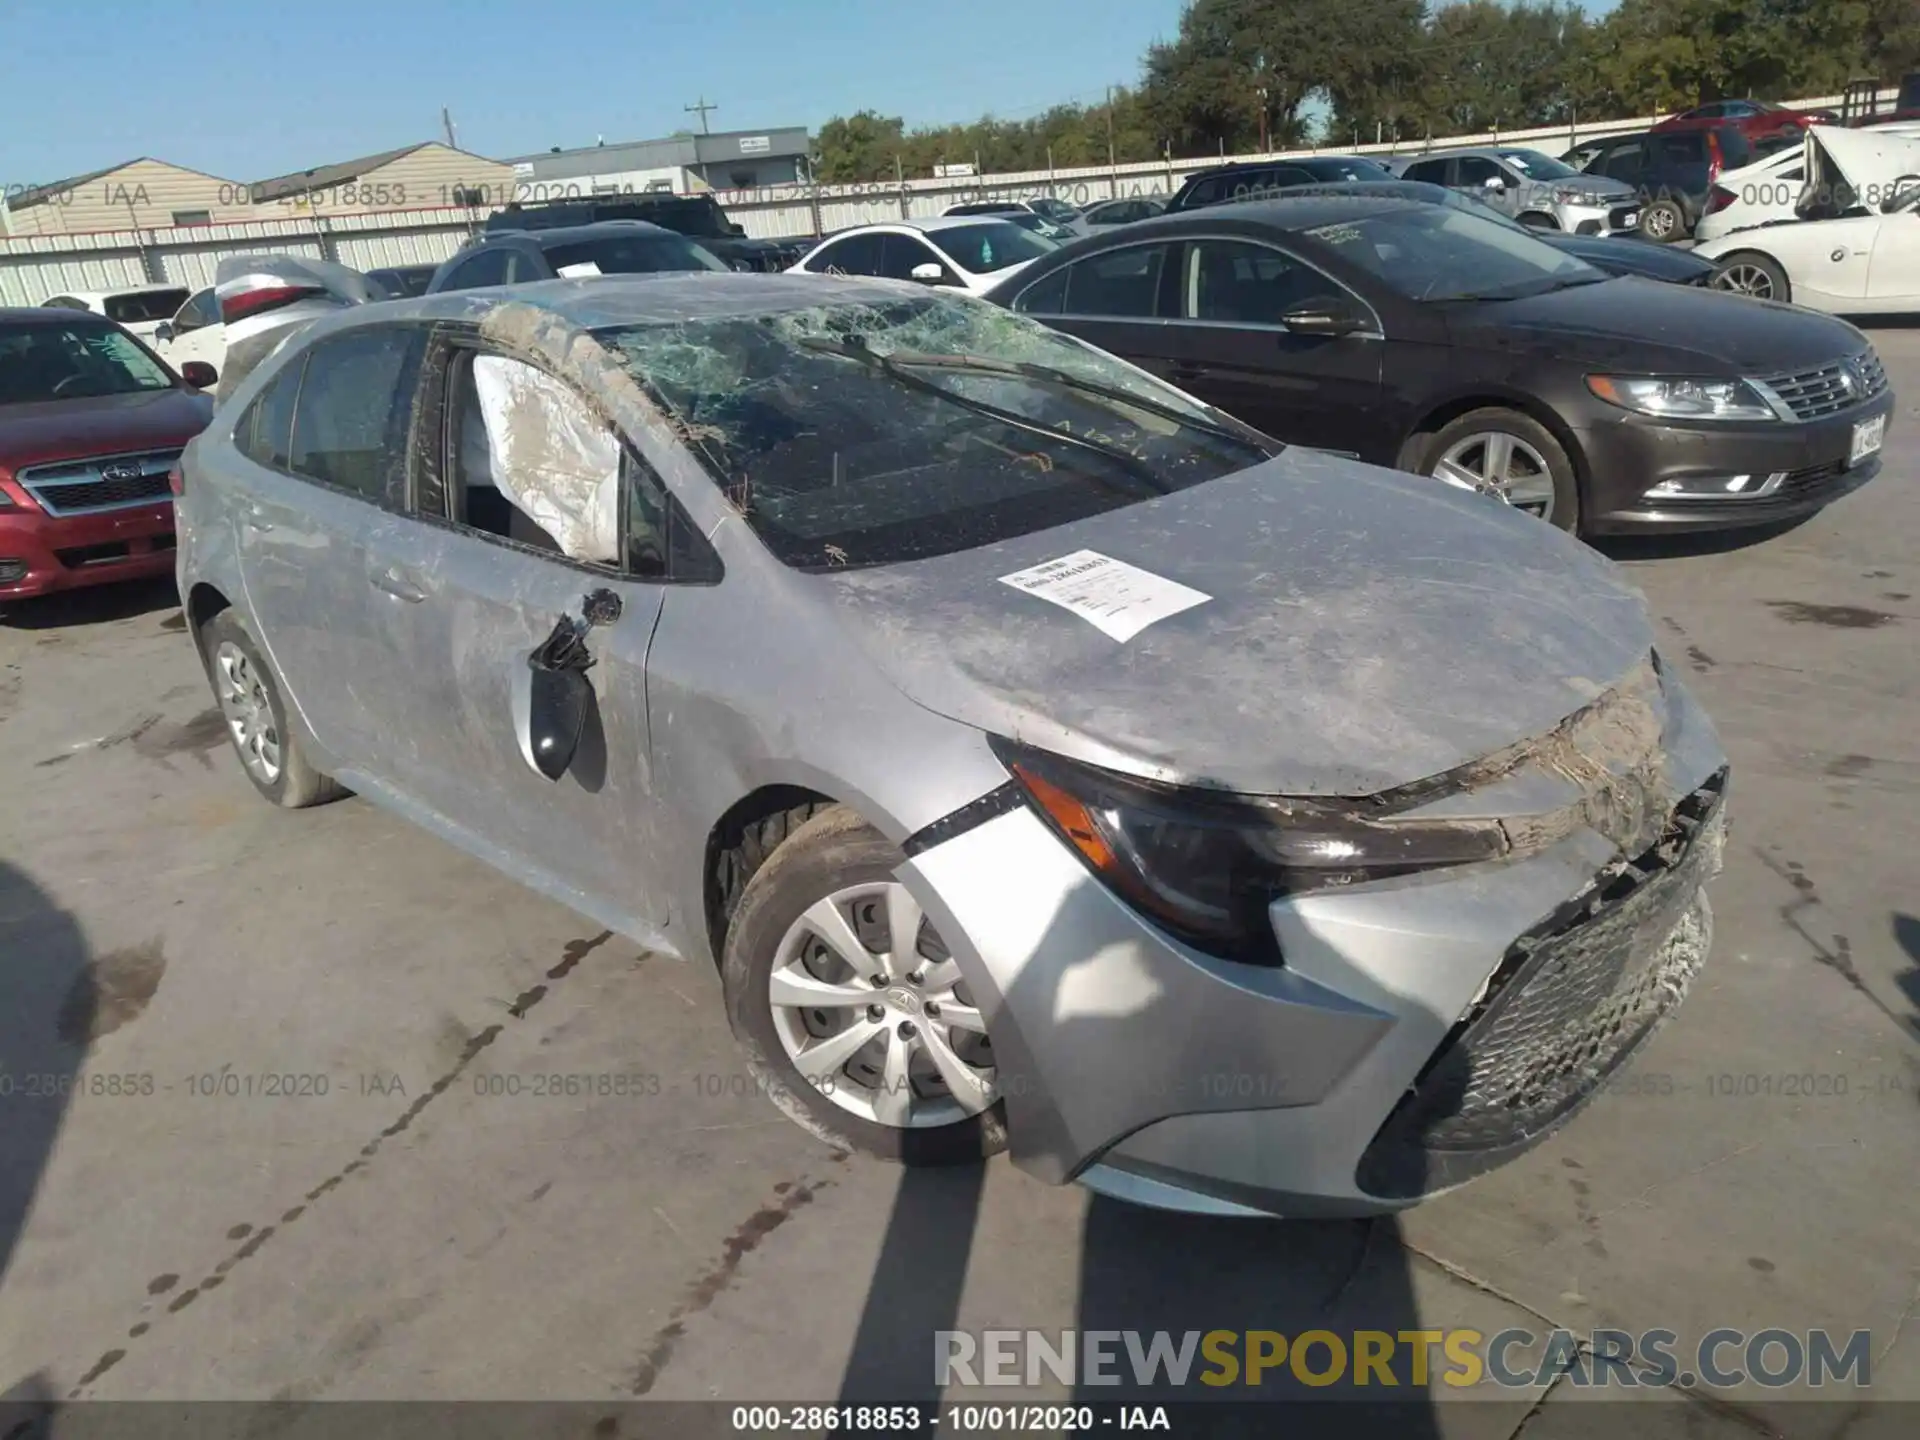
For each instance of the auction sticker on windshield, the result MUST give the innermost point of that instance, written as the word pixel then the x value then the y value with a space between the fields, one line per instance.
pixel 1867 436
pixel 1116 598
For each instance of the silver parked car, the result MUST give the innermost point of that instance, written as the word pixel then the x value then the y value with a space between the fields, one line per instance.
pixel 1530 187
pixel 1041 758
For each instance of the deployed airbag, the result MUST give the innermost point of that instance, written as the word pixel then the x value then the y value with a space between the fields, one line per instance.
pixel 552 456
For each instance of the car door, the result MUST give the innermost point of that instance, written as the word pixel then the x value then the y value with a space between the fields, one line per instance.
pixel 1474 171
pixel 1120 300
pixel 1893 274
pixel 1236 352
pixel 324 447
pixel 489 560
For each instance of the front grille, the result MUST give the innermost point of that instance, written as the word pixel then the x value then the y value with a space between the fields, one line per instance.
pixel 109 482
pixel 1569 1003
pixel 1814 394
pixel 12 572
pixel 1811 477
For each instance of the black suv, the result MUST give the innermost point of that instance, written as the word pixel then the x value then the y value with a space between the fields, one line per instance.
pixel 1260 179
pixel 613 247
pixel 1674 170
pixel 698 217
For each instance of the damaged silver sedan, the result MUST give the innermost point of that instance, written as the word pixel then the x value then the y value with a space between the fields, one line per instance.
pixel 1042 759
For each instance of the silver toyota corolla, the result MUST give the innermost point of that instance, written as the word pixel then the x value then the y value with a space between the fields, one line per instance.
pixel 1043 759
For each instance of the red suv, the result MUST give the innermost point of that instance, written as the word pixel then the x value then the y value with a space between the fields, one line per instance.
pixel 91 421
pixel 1756 119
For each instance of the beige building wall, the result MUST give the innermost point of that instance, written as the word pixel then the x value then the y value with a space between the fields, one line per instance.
pixel 146 194
pixel 425 179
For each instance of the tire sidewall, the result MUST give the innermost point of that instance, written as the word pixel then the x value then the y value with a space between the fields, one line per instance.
pixel 1782 289
pixel 832 851
pixel 1567 510
pixel 226 628
pixel 1676 227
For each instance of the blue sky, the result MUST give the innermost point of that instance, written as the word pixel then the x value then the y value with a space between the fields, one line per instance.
pixel 245 90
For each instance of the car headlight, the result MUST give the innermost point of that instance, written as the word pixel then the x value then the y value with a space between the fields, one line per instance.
pixel 1565 196
pixel 1683 397
pixel 1205 865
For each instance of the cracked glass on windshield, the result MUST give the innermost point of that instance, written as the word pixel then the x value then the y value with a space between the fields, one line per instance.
pixel 860 434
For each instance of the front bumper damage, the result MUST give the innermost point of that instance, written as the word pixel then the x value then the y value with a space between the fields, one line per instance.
pixel 1421 1031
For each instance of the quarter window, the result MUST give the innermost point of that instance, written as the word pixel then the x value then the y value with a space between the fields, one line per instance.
pixel 264 432
pixel 196 314
pixel 357 394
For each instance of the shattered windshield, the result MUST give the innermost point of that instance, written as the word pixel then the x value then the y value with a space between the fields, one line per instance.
pixel 861 434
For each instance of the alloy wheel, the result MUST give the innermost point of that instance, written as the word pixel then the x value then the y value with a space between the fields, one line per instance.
pixel 1659 222
pixel 248 712
pixel 1744 278
pixel 1492 462
pixel 873 1013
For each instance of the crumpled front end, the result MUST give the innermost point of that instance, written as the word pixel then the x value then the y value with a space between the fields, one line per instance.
pixel 1418 1031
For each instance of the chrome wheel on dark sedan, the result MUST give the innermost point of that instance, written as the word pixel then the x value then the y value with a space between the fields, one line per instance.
pixel 1503 466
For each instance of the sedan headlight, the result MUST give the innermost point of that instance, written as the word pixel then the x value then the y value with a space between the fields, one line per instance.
pixel 1683 397
pixel 1567 196
pixel 1205 865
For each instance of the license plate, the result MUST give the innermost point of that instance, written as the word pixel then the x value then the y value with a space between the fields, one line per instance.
pixel 1630 219
pixel 1867 436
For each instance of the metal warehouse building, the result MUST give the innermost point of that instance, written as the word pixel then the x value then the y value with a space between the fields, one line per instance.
pixel 729 160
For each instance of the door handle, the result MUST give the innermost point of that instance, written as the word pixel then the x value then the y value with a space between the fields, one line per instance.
pixel 394 581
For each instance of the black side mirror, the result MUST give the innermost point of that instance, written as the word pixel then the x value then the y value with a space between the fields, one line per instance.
pixel 199 374
pixel 557 713
pixel 1329 316
pixel 163 332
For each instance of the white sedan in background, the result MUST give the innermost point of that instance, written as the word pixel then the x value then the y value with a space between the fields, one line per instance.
pixel 967 252
pixel 139 308
pixel 1856 248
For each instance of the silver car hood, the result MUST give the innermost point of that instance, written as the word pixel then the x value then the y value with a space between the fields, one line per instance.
pixel 1365 629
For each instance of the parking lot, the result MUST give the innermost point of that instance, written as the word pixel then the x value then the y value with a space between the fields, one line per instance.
pixel 307 1105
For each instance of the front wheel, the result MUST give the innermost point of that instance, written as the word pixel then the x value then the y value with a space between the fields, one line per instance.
pixel 1663 221
pixel 853 1016
pixel 1756 276
pixel 1510 457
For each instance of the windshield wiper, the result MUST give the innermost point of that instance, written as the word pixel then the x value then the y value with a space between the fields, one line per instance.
pixel 1249 439
pixel 873 359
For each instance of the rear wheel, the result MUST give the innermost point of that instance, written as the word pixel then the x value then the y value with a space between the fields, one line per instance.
pixel 1663 220
pixel 853 1016
pixel 1511 457
pixel 270 752
pixel 1754 275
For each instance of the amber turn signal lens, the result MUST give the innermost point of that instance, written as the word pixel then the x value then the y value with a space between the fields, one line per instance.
pixel 1074 819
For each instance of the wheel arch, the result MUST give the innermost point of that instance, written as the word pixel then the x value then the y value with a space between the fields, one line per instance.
pixel 204 601
pixel 1445 412
pixel 1745 251
pixel 732 853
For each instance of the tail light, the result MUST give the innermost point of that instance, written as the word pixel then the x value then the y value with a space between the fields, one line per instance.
pixel 1719 198
pixel 177 479
pixel 241 304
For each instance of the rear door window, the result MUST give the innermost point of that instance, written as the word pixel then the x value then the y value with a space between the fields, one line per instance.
pixel 1432 172
pixel 144 306
pixel 1120 285
pixel 349 428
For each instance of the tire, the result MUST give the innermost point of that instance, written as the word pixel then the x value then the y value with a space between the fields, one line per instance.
pixel 1748 272
pixel 1663 221
pixel 275 761
pixel 833 853
pixel 1465 445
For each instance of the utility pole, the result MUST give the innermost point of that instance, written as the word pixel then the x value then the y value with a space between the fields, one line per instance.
pixel 446 124
pixel 701 108
pixel 1262 94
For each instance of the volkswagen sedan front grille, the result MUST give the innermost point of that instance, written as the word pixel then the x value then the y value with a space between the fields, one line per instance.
pixel 1815 394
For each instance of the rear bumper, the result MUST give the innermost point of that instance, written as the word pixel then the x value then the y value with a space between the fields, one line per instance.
pixel 1628 456
pixel 41 553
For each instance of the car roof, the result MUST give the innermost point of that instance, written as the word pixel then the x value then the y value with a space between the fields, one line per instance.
pixel 1281 212
pixel 931 224
pixel 123 290
pixel 569 234
pixel 1489 152
pixel 50 314
pixel 661 298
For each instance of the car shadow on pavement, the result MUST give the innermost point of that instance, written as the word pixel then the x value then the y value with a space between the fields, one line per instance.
pixel 95 605
pixel 1704 542
pixel 46 1002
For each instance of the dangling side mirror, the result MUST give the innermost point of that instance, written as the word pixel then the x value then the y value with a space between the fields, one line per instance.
pixel 556 716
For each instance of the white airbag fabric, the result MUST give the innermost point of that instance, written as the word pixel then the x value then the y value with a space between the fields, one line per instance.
pixel 552 457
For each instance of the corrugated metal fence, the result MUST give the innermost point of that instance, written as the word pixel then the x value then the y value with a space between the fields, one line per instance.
pixel 32 267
